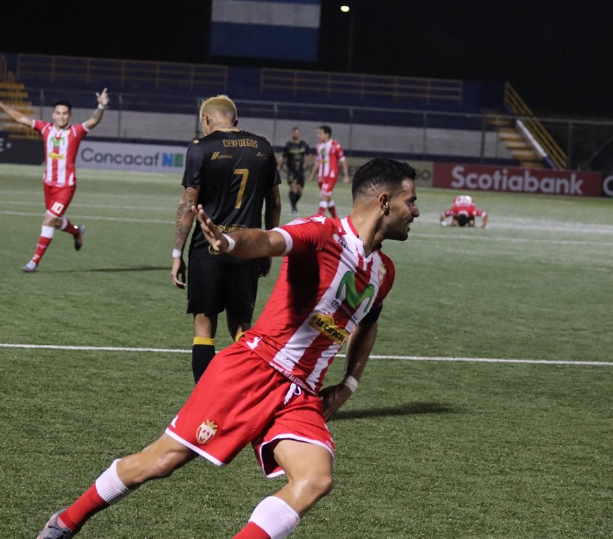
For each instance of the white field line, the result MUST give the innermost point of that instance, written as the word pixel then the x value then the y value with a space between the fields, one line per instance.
pixel 510 240
pixel 402 358
pixel 101 206
pixel 91 218
pixel 122 196
pixel 416 235
pixel 518 225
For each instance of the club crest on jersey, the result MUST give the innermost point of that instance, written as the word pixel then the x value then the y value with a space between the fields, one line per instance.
pixel 326 325
pixel 206 432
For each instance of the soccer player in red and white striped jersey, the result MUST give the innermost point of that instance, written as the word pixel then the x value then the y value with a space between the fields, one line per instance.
pixel 463 212
pixel 266 388
pixel 329 154
pixel 61 141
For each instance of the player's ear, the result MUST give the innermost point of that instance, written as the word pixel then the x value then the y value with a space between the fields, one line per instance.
pixel 235 122
pixel 384 203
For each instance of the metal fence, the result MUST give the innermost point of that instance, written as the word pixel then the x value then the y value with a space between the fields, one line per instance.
pixel 588 143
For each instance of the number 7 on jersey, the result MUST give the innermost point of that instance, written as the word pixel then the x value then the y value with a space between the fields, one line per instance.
pixel 244 173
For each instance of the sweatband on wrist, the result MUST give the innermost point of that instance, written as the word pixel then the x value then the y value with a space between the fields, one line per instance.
pixel 231 243
pixel 177 253
pixel 350 382
pixel 101 106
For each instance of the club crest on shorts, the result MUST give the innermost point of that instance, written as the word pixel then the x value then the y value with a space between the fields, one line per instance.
pixel 206 432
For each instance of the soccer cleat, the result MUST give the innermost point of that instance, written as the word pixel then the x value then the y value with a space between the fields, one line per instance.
pixel 30 267
pixel 294 210
pixel 54 530
pixel 78 240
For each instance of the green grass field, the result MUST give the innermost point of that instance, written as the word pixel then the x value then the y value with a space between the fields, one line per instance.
pixel 427 447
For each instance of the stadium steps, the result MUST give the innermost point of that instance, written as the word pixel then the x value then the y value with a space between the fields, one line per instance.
pixel 15 95
pixel 515 142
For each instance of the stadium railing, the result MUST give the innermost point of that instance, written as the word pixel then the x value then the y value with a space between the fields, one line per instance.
pixel 302 83
pixel 122 73
pixel 534 130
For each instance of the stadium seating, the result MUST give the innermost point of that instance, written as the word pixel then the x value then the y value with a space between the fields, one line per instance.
pixel 413 117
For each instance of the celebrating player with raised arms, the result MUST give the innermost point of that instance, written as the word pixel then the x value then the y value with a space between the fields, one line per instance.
pixel 61 140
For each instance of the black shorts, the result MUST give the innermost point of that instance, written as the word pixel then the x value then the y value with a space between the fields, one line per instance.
pixel 214 286
pixel 295 176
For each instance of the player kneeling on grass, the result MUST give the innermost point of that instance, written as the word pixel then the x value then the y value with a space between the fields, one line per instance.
pixel 463 212
pixel 266 389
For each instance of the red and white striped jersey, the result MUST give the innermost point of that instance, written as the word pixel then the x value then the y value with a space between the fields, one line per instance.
pixel 61 147
pixel 329 155
pixel 467 209
pixel 325 287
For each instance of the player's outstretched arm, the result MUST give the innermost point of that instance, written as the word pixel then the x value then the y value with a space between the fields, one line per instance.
pixel 103 103
pixel 359 347
pixel 486 218
pixel 247 243
pixel 16 115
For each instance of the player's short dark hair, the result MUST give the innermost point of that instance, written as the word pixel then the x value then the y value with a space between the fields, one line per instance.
pixel 326 129
pixel 465 220
pixel 63 103
pixel 379 172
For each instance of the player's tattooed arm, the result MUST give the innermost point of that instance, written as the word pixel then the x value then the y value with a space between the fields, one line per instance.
pixel 183 226
pixel 185 216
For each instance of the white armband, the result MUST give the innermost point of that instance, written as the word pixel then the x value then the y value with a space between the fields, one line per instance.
pixel 350 382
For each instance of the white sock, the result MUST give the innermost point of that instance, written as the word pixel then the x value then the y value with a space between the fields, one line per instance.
pixel 47 231
pixel 64 223
pixel 275 517
pixel 110 487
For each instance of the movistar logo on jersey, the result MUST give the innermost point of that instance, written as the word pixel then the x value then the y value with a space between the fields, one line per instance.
pixel 354 298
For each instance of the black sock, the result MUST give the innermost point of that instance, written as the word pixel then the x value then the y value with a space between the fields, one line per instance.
pixel 202 354
pixel 292 198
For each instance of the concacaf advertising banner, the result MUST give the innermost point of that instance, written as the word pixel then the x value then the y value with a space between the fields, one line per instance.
pixel 136 157
pixel 517 180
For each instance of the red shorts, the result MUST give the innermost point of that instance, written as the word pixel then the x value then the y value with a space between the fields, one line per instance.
pixel 326 185
pixel 240 399
pixel 57 199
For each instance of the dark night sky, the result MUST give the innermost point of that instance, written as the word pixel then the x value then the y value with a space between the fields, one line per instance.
pixel 557 54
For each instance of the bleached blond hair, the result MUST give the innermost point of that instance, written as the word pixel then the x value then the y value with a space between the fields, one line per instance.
pixel 219 106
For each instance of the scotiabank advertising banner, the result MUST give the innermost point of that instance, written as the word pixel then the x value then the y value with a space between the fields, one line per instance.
pixel 607 184
pixel 517 180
